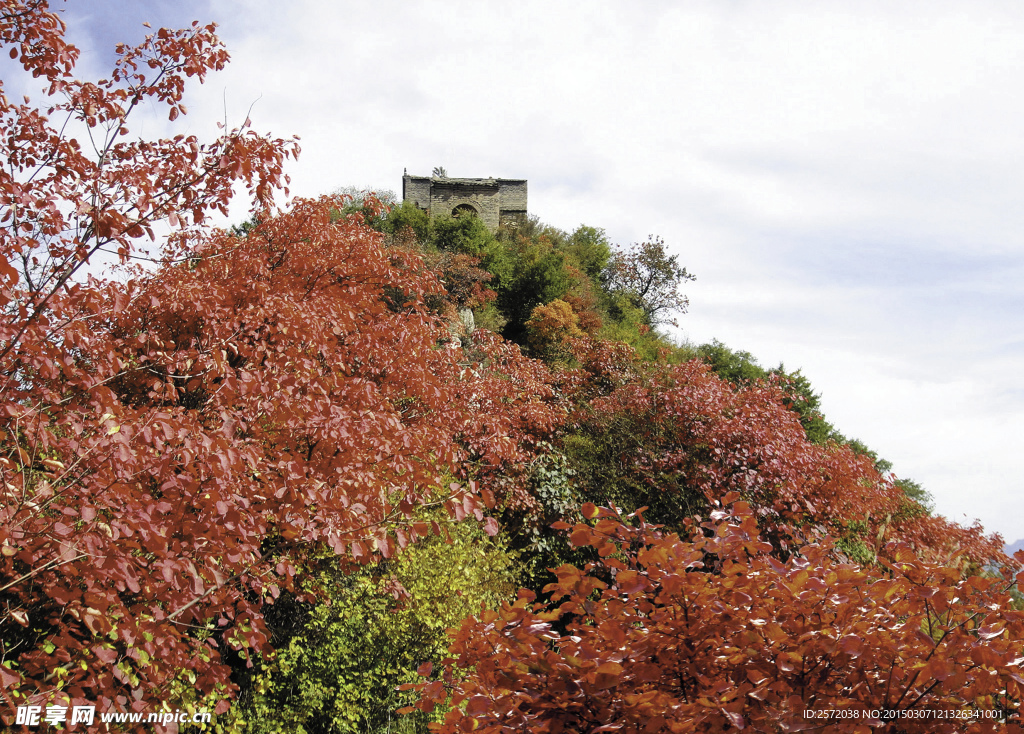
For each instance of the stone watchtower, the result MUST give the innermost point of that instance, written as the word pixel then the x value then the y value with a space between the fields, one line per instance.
pixel 496 201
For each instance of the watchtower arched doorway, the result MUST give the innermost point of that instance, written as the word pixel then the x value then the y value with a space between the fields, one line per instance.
pixel 463 210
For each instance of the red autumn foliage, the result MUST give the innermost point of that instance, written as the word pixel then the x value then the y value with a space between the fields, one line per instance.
pixel 512 409
pixel 681 429
pixel 195 432
pixel 74 184
pixel 464 282
pixel 83 511
pixel 175 444
pixel 753 618
pixel 709 632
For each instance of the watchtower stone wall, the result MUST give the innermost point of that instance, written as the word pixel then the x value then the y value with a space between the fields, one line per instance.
pixel 497 201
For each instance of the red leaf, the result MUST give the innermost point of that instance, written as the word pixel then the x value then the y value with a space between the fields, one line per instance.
pixel 735 719
pixel 491 526
pixel 607 675
pixel 8 678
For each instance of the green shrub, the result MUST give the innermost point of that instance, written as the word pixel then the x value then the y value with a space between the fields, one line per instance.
pixel 340 673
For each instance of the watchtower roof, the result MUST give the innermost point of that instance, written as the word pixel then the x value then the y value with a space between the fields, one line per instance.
pixel 451 180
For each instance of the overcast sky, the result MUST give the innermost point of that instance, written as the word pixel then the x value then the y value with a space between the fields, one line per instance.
pixel 845 179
